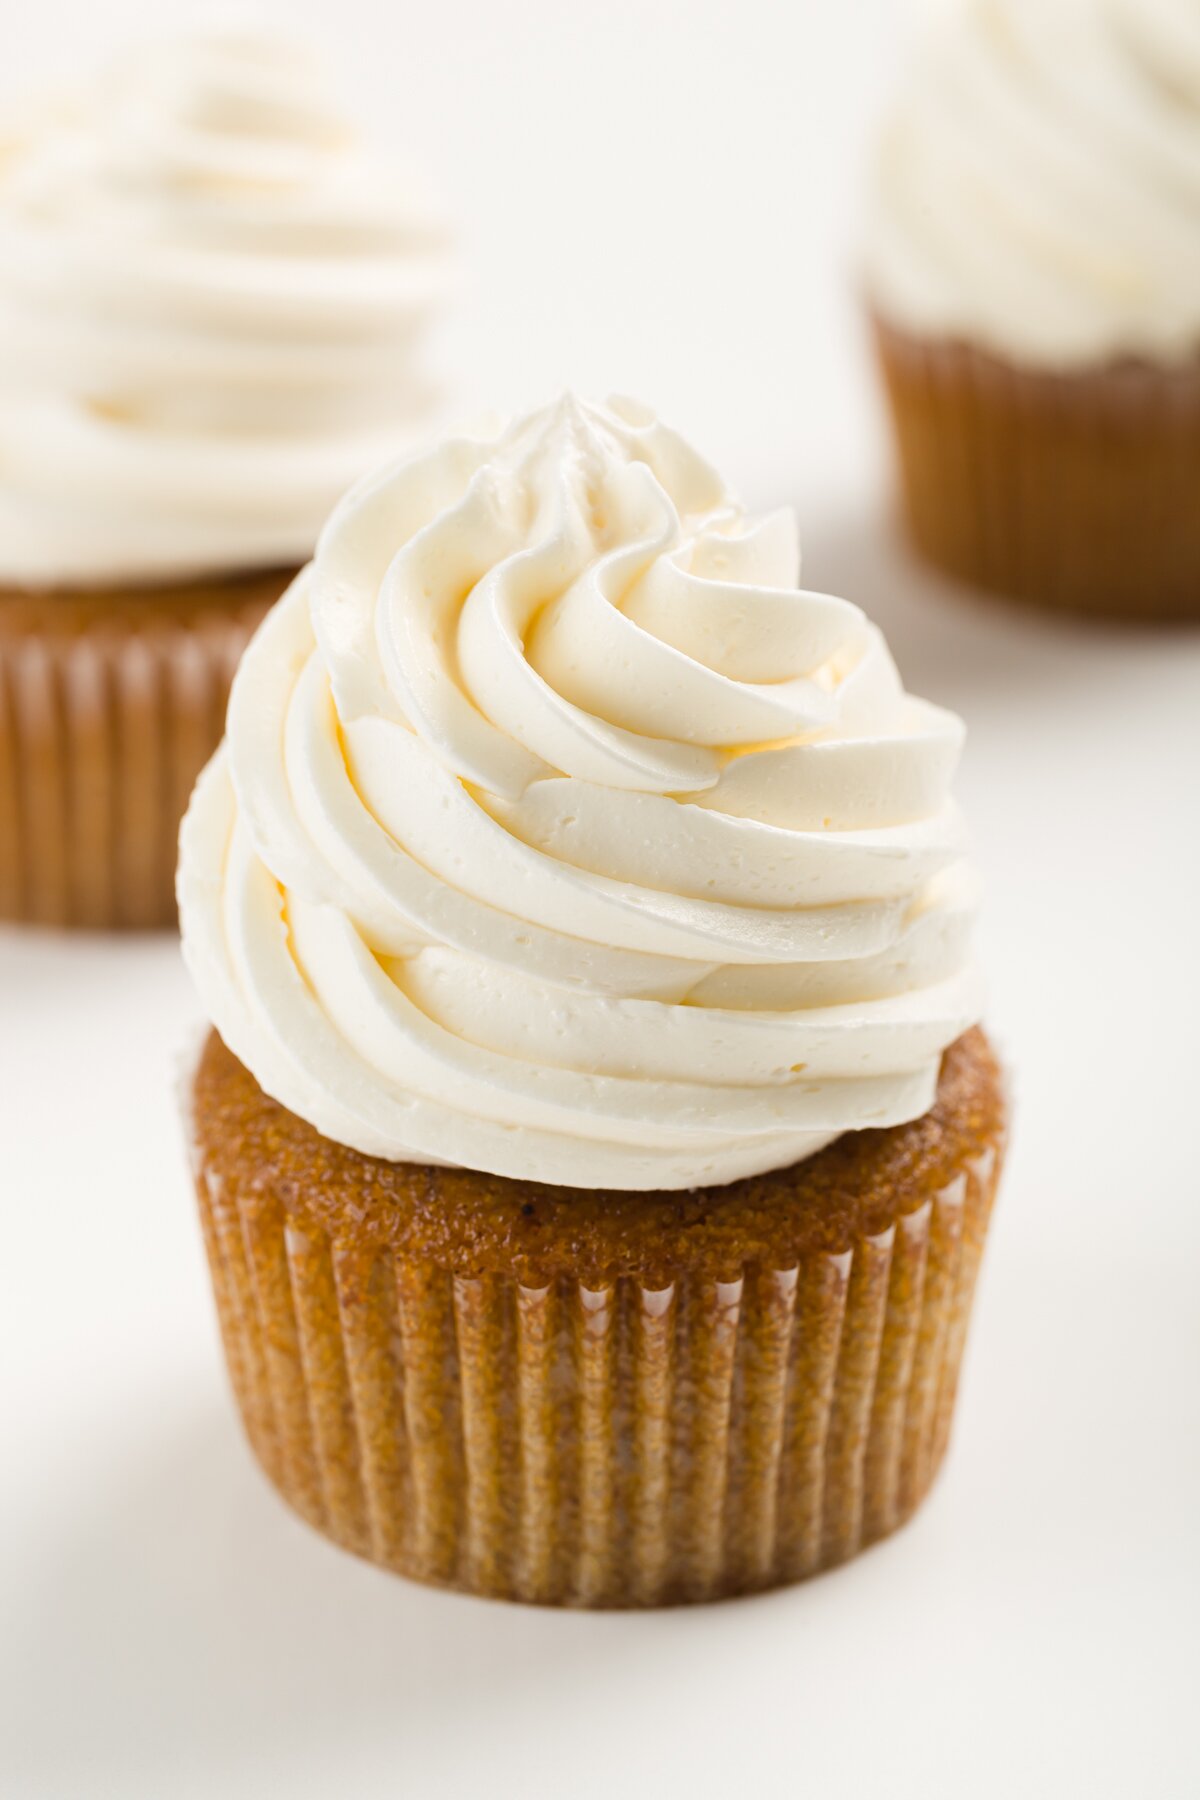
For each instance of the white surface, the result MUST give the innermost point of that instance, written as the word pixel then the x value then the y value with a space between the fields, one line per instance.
pixel 673 179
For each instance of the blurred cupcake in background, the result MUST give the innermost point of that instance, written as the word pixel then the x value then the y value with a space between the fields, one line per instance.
pixel 213 306
pixel 1033 269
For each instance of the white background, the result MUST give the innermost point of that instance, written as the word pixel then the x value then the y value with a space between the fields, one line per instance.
pixel 657 197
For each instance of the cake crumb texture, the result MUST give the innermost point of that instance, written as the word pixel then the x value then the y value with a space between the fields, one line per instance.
pixel 598 1399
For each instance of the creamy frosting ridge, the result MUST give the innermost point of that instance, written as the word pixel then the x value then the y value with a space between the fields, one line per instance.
pixel 211 299
pixel 1037 188
pixel 559 834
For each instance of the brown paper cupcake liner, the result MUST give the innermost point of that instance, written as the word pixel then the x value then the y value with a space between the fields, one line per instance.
pixel 108 712
pixel 610 1445
pixel 1073 491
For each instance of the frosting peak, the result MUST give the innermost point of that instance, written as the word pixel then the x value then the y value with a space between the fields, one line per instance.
pixel 1038 184
pixel 211 299
pixel 560 834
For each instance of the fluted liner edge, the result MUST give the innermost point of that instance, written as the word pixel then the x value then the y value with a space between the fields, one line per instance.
pixel 102 736
pixel 1070 490
pixel 610 1446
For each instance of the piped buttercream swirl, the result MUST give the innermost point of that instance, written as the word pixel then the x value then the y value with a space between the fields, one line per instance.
pixel 212 302
pixel 559 834
pixel 1037 187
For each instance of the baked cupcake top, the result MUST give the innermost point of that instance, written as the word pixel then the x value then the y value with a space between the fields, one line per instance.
pixel 1037 188
pixel 558 834
pixel 210 295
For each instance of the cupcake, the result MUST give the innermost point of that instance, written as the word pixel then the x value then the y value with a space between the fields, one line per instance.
pixel 212 302
pixel 596 1142
pixel 1032 264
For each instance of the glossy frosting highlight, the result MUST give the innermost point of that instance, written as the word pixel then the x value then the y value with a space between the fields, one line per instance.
pixel 559 834
pixel 1037 188
pixel 212 302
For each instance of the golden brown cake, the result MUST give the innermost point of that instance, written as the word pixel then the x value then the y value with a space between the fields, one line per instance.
pixel 110 705
pixel 596 1141
pixel 587 1397
pixel 1032 267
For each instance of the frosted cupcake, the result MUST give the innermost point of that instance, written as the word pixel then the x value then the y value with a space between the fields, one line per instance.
pixel 212 302
pixel 597 1149
pixel 1033 267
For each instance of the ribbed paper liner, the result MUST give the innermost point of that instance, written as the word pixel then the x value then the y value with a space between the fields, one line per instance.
pixel 619 1446
pixel 1078 490
pixel 102 736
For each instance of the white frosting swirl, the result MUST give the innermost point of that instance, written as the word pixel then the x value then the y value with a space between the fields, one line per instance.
pixel 211 300
pixel 1038 187
pixel 558 834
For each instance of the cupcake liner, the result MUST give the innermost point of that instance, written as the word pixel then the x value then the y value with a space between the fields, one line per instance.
pixel 103 731
pixel 616 1445
pixel 1070 490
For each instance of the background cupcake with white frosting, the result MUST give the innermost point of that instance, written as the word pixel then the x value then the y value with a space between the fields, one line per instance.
pixel 214 301
pixel 1032 262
